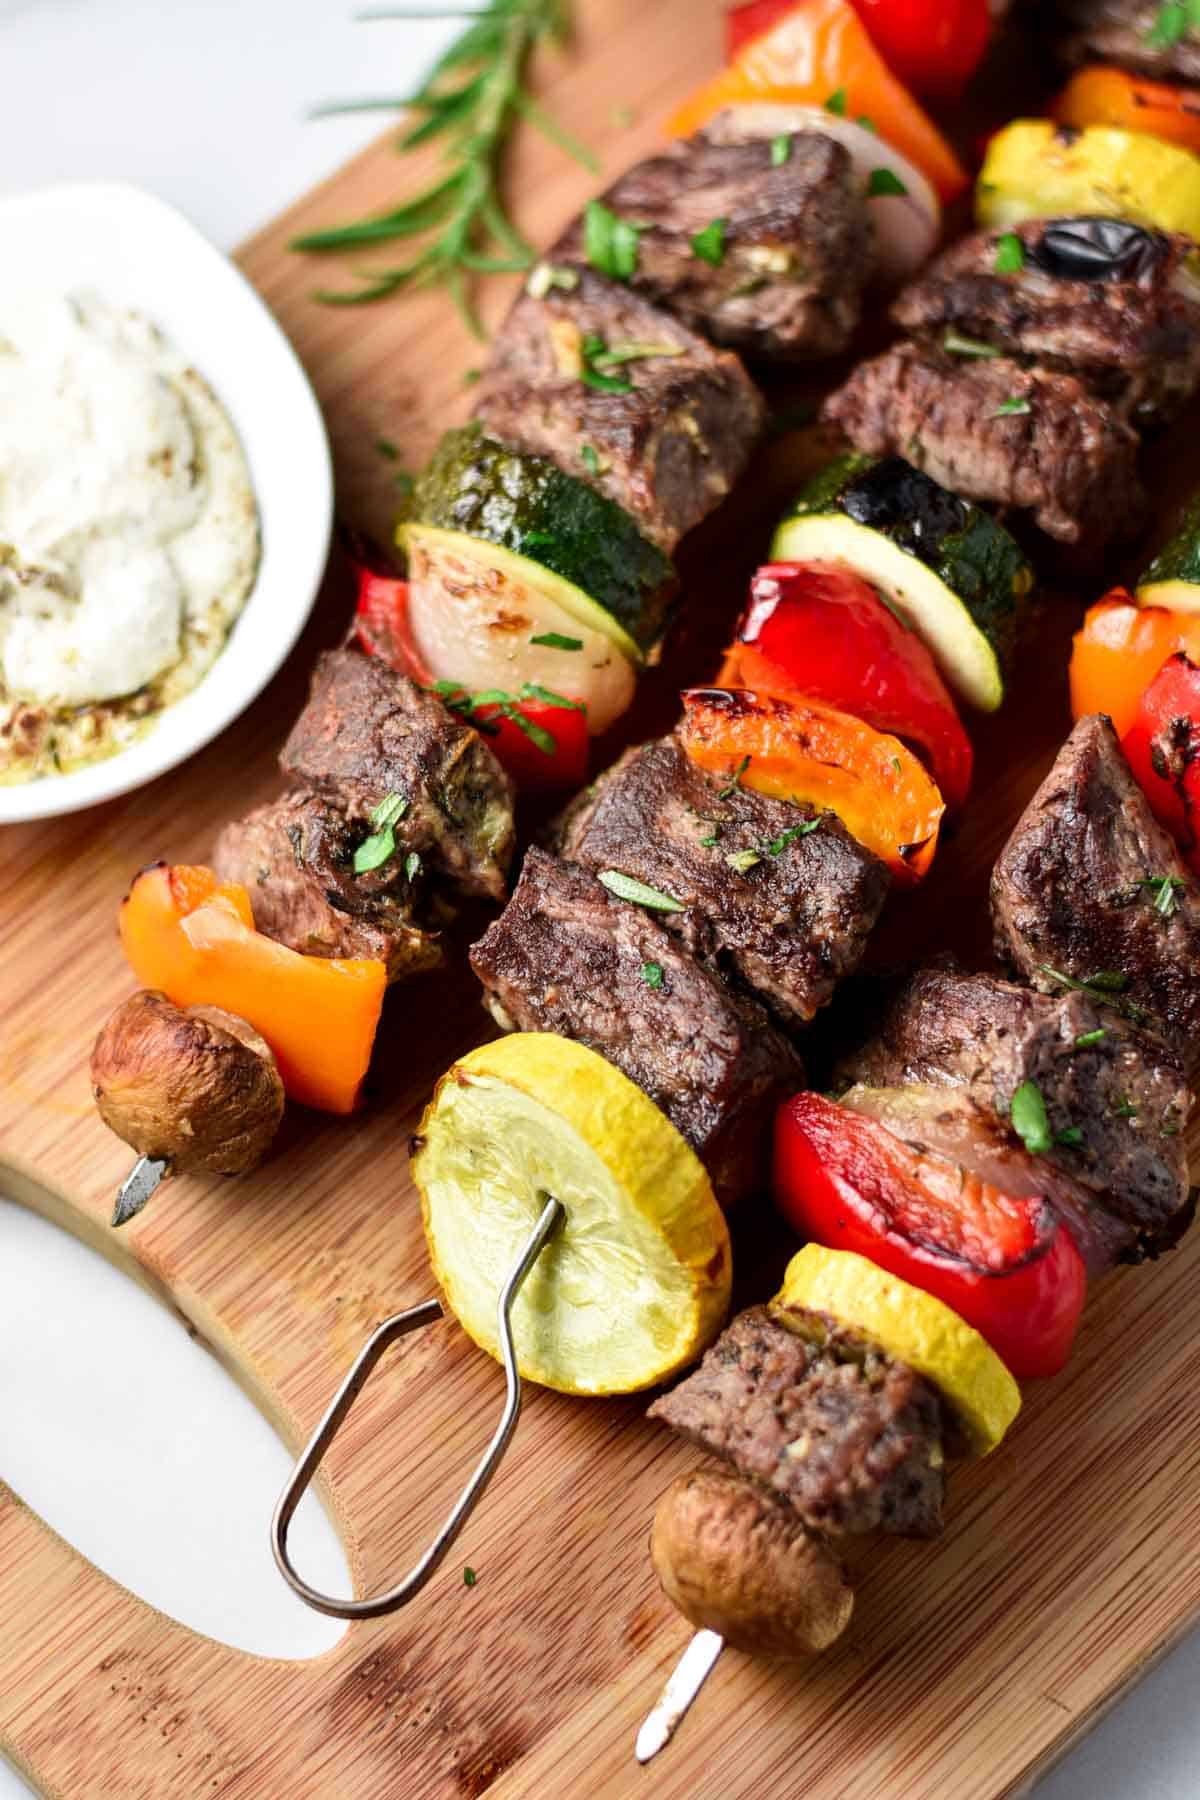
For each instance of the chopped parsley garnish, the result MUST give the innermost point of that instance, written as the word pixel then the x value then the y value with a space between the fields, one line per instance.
pixel 735 780
pixel 469 1576
pixel 385 447
pixel 709 244
pixel 412 866
pixel 710 840
pixel 781 150
pixel 836 103
pixel 778 845
pixel 1087 1039
pixel 1104 981
pixel 610 243
pixel 896 765
pixel 471 376
pixel 652 974
pixel 1125 1109
pixel 740 861
pixel 1172 22
pixel 958 345
pixel 884 181
pixel 590 458
pixel 866 123
pixel 600 359
pixel 531 690
pixel 1010 254
pixel 1016 403
pixel 380 847
pixel 555 640
pixel 1163 887
pixel 1029 1121
pixel 480 708
pixel 1071 1137
pixel 403 482
pixel 626 887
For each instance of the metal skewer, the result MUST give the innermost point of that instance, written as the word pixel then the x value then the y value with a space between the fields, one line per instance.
pixel 398 1326
pixel 683 1684
pixel 139 1185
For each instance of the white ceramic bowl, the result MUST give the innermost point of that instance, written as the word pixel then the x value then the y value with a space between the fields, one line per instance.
pixel 133 250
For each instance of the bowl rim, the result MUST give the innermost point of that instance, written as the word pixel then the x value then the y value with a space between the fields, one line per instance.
pixel 187 726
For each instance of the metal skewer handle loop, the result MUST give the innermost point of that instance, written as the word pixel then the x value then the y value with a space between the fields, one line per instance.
pixel 398 1326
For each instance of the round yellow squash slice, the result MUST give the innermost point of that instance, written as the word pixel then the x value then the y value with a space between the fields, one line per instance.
pixel 634 1284
pixel 912 1326
pixel 1035 170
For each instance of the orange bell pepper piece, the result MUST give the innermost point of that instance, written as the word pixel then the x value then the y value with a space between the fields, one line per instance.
pixel 194 938
pixel 1119 650
pixel 1099 95
pixel 800 749
pixel 819 49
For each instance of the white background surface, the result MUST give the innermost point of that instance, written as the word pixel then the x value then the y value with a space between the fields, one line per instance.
pixel 203 101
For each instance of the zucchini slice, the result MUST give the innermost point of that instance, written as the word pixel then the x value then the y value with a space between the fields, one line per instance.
pixel 950 571
pixel 597 563
pixel 1173 578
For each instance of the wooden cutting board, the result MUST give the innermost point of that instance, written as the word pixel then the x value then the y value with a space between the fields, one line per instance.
pixel 1069 1559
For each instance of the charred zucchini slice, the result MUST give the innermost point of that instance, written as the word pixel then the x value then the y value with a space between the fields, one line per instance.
pixel 589 552
pixel 1173 578
pixel 950 571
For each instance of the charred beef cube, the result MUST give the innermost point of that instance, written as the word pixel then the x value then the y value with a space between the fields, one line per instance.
pixel 1123 32
pixel 1090 882
pixel 567 957
pixel 668 447
pixel 1116 1099
pixel 295 858
pixel 1102 299
pixel 852 1439
pixel 789 244
pixel 368 732
pixel 788 924
pixel 991 430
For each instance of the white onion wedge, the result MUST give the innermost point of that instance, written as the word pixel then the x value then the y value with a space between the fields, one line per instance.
pixel 474 623
pixel 907 226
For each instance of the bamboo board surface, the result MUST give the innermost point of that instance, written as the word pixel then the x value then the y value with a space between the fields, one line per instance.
pixel 1069 1559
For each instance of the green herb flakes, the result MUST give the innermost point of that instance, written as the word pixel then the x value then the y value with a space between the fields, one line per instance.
pixel 735 780
pixel 610 243
pixel 1070 1137
pixel 1087 1040
pixel 957 345
pixel 1164 888
pixel 882 182
pixel 1124 1109
pixel 626 887
pixel 1171 23
pixel 1016 403
pixel 469 1576
pixel 741 861
pixel 778 845
pixel 781 150
pixel 590 459
pixel 836 103
pixel 1010 254
pixel 593 375
pixel 380 847
pixel 709 244
pixel 385 447
pixel 1029 1121
pixel 555 640
pixel 652 974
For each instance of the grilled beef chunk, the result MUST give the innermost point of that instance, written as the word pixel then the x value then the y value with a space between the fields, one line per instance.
pixel 1116 1102
pixel 785 279
pixel 295 858
pixel 1066 456
pixel 566 957
pixel 668 448
pixel 368 732
pixel 1123 32
pixel 827 1421
pixel 790 926
pixel 1089 880
pixel 1101 299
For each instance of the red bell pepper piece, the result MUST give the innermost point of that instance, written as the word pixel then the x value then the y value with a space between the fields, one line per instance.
pixel 934 46
pixel 543 744
pixel 1163 748
pixel 381 623
pixel 1007 1266
pixel 823 631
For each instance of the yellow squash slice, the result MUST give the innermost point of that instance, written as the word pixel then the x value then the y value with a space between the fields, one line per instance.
pixel 1035 170
pixel 635 1283
pixel 911 1326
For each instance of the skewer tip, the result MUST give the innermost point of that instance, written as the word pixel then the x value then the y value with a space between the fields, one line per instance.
pixel 138 1187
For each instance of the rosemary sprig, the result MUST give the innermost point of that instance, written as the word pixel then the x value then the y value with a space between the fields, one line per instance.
pixel 473 98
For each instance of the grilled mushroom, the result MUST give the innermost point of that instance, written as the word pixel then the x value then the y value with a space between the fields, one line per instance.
pixel 738 1562
pixel 194 1087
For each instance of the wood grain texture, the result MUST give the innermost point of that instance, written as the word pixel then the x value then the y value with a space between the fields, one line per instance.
pixel 1069 1560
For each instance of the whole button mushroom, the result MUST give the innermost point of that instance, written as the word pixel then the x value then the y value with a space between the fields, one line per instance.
pixel 187 1087
pixel 736 1561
